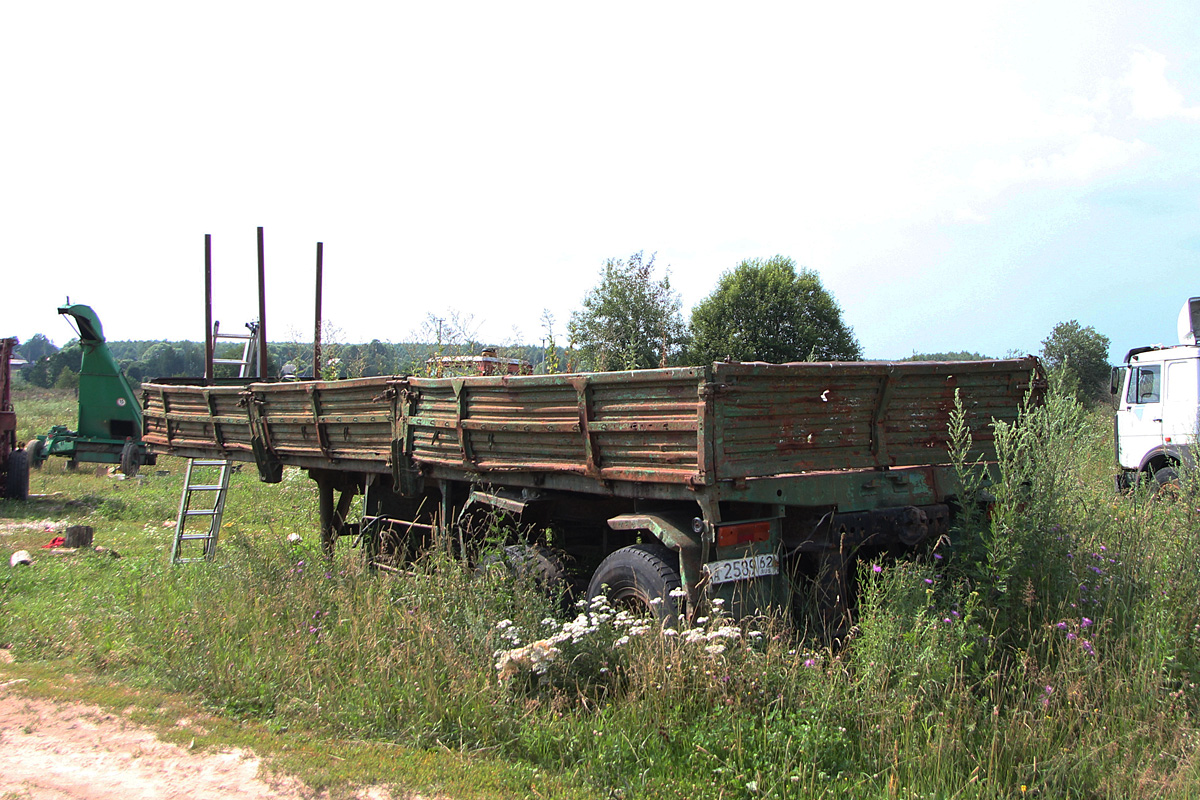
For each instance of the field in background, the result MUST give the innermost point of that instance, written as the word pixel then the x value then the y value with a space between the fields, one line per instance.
pixel 1053 650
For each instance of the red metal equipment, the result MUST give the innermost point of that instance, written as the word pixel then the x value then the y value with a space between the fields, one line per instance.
pixel 14 462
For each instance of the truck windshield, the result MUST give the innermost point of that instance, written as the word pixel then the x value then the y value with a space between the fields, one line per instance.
pixel 1144 385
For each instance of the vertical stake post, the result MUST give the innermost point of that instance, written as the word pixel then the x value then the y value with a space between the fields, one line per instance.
pixel 262 310
pixel 209 374
pixel 317 331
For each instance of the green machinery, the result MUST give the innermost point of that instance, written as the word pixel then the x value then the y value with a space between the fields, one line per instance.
pixel 110 417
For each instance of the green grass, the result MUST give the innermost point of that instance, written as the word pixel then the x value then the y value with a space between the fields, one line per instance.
pixel 1053 651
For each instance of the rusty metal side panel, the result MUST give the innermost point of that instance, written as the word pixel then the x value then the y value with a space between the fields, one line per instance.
pixel 609 426
pixel 334 420
pixel 649 427
pixel 790 418
pixel 211 419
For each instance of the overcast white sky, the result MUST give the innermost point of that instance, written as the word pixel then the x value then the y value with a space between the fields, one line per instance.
pixel 962 175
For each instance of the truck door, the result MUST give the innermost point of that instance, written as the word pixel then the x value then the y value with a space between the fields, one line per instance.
pixel 1140 415
pixel 1180 402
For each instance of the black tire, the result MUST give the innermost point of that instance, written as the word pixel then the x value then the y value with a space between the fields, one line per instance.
pixel 35 448
pixel 16 482
pixel 539 564
pixel 1167 476
pixel 131 459
pixel 634 576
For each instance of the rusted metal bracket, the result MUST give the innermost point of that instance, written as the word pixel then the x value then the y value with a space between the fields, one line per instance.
pixel 583 394
pixel 218 435
pixel 162 398
pixel 460 415
pixel 879 444
pixel 322 434
pixel 406 475
pixel 270 468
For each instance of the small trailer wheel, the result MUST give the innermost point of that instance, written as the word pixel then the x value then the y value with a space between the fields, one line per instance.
pixel 35 448
pixel 131 459
pixel 635 577
pixel 16 482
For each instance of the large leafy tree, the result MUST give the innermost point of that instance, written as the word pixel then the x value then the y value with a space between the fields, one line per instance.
pixel 764 310
pixel 1077 357
pixel 630 320
pixel 37 348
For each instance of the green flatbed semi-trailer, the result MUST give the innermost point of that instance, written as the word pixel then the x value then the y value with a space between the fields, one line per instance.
pixel 739 480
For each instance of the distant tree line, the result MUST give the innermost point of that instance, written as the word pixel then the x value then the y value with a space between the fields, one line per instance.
pixel 761 310
pixel 144 360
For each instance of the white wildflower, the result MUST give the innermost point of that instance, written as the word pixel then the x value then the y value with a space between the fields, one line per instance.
pixel 624 640
pixel 701 620
pixel 718 601
pixel 537 657
pixel 504 623
pixel 726 632
pixel 656 601
pixel 680 592
pixel 715 649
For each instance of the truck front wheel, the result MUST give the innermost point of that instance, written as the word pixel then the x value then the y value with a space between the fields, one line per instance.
pixel 640 578
pixel 1166 477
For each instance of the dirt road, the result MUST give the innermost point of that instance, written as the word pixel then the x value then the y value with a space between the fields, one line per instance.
pixel 56 751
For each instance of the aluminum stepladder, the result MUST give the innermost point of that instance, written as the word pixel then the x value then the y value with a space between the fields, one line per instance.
pixel 209 478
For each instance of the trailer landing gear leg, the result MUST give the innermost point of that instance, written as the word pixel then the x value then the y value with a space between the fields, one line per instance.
pixel 833 594
pixel 333 517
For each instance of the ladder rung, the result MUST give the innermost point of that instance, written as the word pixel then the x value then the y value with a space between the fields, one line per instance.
pixel 198 463
pixel 204 488
pixel 234 336
pixel 237 361
pixel 190 560
pixel 210 513
pixel 194 537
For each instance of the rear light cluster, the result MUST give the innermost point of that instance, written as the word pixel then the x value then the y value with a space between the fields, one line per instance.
pixel 743 533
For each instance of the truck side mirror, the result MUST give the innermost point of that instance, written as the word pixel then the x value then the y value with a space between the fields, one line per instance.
pixel 1114 383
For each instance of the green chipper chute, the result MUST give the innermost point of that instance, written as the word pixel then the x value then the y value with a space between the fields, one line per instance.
pixel 110 418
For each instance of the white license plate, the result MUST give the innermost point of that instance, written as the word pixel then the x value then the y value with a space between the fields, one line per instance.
pixel 740 569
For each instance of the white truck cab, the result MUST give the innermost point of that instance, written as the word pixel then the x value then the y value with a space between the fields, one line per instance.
pixel 1158 392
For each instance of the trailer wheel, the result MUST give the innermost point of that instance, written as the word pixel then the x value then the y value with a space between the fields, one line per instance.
pixel 635 577
pixel 16 482
pixel 35 449
pixel 539 564
pixel 131 459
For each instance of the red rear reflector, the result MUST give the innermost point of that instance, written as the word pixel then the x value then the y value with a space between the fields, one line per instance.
pixel 743 533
